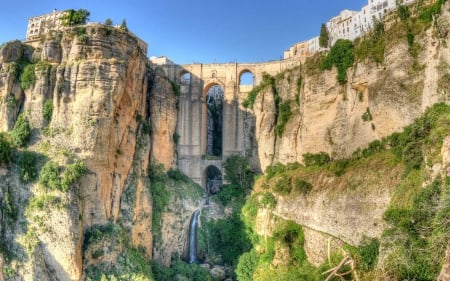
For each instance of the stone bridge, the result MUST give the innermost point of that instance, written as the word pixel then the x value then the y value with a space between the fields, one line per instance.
pixel 195 80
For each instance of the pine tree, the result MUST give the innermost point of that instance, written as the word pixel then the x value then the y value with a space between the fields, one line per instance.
pixel 323 39
pixel 124 25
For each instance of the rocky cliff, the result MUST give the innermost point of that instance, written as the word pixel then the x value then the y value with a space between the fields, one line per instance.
pixel 96 83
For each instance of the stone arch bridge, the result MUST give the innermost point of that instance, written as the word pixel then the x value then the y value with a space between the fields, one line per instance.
pixel 195 80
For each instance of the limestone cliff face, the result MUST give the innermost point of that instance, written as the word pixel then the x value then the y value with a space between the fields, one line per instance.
pixel 163 117
pixel 97 82
pixel 327 116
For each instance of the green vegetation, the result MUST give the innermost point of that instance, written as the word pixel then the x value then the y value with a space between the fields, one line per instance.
pixel 427 13
pixel 422 225
pixel 418 217
pixel 28 77
pixel 160 198
pixel 163 186
pixel 5 149
pixel 108 22
pixel 256 264
pixel 78 17
pixel 284 113
pixel 48 110
pixel 238 172
pixel 367 116
pixel 123 25
pixel 27 166
pixel 267 81
pixel 44 202
pixel 179 270
pixel 316 159
pixel 323 37
pixel 226 237
pixel 282 108
pixel 340 55
pixel 21 132
pixel 131 264
pixel 51 177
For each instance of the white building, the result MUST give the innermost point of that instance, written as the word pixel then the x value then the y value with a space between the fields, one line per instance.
pixel 340 27
pixel 347 25
pixel 40 25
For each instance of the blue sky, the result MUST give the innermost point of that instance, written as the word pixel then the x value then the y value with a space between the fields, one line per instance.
pixel 197 30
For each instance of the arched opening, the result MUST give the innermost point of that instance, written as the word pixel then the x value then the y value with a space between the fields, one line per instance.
pixel 246 78
pixel 185 78
pixel 213 179
pixel 214 120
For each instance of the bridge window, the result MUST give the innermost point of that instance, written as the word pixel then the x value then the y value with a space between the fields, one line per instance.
pixel 185 78
pixel 213 180
pixel 246 79
pixel 214 105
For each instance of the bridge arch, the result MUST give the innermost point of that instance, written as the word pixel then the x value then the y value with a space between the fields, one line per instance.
pixel 185 77
pixel 246 77
pixel 212 179
pixel 213 112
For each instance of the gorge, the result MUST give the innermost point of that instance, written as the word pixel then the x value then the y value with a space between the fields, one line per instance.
pixel 106 159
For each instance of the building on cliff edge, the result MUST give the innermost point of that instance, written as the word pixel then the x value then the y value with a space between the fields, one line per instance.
pixel 43 24
pixel 347 25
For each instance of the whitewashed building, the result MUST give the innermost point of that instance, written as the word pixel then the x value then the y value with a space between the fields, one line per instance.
pixel 340 27
pixel 40 25
pixel 347 25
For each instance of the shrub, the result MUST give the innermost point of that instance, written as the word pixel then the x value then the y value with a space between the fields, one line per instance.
pixel 283 186
pixel 403 12
pixel 338 167
pixel 185 271
pixel 227 237
pixel 238 172
pixel 156 172
pixel 49 176
pixel 302 186
pixel 231 192
pixel 291 235
pixel 267 81
pixel 284 113
pixel 27 166
pixel 5 149
pixel 267 200
pixel 246 266
pixel 28 77
pixel 21 132
pixel 340 55
pixel 78 17
pixel 160 199
pixel 367 116
pixel 108 22
pixel 368 252
pixel 316 159
pixel 177 175
pixel 72 174
pixel 274 169
pixel 48 110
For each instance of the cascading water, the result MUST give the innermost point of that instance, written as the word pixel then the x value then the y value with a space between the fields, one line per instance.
pixel 193 237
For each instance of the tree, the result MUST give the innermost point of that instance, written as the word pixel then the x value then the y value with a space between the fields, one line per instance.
pixel 73 17
pixel 108 21
pixel 323 38
pixel 21 131
pixel 5 149
pixel 27 166
pixel 238 172
pixel 124 25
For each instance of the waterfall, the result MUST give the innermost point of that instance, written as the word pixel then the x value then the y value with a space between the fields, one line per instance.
pixel 193 237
